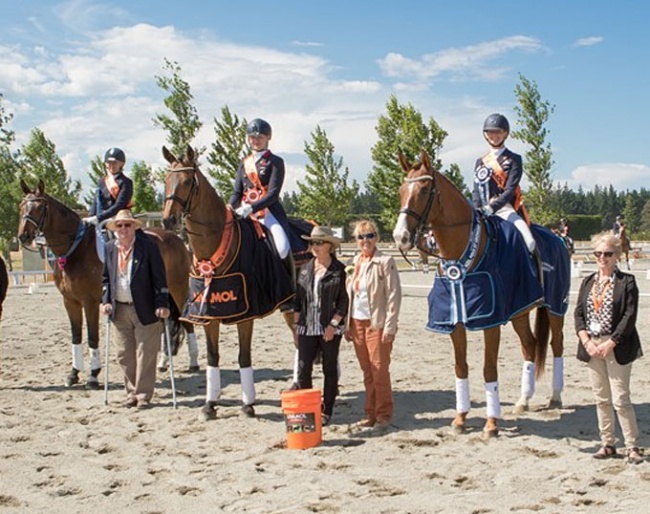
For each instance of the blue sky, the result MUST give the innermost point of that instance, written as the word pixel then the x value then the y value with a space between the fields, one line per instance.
pixel 83 71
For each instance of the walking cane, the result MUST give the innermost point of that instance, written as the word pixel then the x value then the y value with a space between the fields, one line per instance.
pixel 108 343
pixel 171 360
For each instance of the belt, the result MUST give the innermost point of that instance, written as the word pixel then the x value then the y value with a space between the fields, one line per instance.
pixel 124 303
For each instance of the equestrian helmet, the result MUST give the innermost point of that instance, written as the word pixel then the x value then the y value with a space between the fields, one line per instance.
pixel 258 126
pixel 496 121
pixel 114 154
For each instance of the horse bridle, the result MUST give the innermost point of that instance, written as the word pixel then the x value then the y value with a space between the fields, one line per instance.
pixel 40 222
pixel 184 203
pixel 421 219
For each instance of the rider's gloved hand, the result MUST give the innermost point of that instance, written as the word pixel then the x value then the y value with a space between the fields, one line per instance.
pixel 244 210
pixel 91 220
pixel 487 210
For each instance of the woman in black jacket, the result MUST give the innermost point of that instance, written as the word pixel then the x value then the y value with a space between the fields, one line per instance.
pixel 321 305
pixel 605 321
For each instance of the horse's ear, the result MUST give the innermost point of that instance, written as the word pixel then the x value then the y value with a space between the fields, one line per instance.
pixel 24 187
pixel 189 153
pixel 41 187
pixel 424 158
pixel 168 155
pixel 404 163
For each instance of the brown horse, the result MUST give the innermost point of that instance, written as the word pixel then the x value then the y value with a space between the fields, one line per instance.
pixel 4 283
pixel 189 196
pixel 429 199
pixel 78 270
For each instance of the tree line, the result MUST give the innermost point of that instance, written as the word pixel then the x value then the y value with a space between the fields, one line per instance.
pixel 326 194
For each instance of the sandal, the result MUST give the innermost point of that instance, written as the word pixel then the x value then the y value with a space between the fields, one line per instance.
pixel 633 455
pixel 605 452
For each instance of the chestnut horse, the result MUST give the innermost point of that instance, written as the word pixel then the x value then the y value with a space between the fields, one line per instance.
pixel 190 197
pixel 78 270
pixel 429 199
pixel 625 244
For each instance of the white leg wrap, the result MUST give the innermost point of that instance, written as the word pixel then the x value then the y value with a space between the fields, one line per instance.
pixel 493 405
pixel 558 374
pixel 462 395
pixel 295 367
pixel 213 387
pixel 78 357
pixel 246 376
pixel 528 380
pixel 95 359
pixel 193 349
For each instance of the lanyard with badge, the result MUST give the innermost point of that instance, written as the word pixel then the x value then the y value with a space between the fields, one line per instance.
pixel 597 300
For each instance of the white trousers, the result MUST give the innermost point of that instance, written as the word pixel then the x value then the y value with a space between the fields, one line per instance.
pixel 280 239
pixel 508 213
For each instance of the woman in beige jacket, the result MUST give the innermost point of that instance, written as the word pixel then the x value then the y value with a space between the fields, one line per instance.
pixel 375 297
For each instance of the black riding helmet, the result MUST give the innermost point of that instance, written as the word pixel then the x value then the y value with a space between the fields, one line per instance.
pixel 114 154
pixel 496 121
pixel 258 126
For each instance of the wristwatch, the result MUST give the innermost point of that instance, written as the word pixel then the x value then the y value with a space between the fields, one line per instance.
pixel 335 323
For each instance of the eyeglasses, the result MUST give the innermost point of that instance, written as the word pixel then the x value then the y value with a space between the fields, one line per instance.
pixel 123 225
pixel 318 242
pixel 604 254
pixel 368 236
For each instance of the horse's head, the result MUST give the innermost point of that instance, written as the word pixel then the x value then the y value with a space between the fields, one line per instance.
pixel 181 183
pixel 416 195
pixel 33 211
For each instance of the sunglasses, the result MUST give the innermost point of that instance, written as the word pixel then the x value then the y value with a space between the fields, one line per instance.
pixel 318 242
pixel 604 254
pixel 368 236
pixel 124 225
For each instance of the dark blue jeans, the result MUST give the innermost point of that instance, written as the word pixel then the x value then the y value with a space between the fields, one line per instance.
pixel 308 347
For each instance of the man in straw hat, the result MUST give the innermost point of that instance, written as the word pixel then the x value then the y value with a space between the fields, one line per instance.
pixel 320 307
pixel 135 295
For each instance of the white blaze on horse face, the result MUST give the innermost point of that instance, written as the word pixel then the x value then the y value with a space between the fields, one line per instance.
pixel 401 233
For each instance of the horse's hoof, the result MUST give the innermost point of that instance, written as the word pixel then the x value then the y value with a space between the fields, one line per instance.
pixel 71 379
pixel 194 369
pixel 248 411
pixel 207 413
pixel 520 408
pixel 555 404
pixel 92 383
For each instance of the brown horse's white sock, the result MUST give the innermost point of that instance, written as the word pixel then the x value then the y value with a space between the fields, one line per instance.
pixel 78 357
pixel 528 380
pixel 246 376
pixel 213 386
pixel 558 374
pixel 493 405
pixel 462 395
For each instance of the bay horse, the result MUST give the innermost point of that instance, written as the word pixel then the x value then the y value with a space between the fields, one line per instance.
pixel 466 243
pixel 190 197
pixel 78 270
pixel 625 244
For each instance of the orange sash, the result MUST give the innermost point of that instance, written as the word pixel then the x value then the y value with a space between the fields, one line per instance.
pixel 500 177
pixel 114 188
pixel 258 191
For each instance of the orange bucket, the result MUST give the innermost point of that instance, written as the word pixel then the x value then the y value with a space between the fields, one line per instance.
pixel 302 418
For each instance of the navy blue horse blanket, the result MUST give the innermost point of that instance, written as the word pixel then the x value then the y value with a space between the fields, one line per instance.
pixel 503 283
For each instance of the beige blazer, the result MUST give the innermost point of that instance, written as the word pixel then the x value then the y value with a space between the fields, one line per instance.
pixel 384 291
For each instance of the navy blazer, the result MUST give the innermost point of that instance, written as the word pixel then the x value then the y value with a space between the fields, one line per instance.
pixel 148 280
pixel 104 205
pixel 626 304
pixel 512 165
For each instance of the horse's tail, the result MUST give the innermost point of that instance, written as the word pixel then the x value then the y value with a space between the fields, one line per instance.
pixel 542 332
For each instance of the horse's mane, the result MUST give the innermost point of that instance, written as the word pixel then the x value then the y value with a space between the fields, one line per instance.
pixel 60 207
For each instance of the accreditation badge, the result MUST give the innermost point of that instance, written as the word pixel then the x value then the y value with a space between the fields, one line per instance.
pixel 595 327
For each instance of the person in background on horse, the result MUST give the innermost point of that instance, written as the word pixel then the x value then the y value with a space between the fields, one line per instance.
pixel 616 227
pixel 320 307
pixel 114 193
pixel 376 295
pixel 563 227
pixel 258 185
pixel 496 179
pixel 605 321
pixel 135 295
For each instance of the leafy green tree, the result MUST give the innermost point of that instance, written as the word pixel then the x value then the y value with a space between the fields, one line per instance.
pixel 226 151
pixel 184 123
pixel 96 172
pixel 144 190
pixel 533 113
pixel 290 203
pixel 401 129
pixel 9 187
pixel 38 160
pixel 456 176
pixel 324 195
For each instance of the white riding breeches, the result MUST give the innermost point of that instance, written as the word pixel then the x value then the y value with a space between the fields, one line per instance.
pixel 280 239
pixel 508 213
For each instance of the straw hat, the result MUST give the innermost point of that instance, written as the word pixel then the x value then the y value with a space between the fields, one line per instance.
pixel 123 215
pixel 322 233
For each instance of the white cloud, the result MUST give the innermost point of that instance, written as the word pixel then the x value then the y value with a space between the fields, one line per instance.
pixel 620 175
pixel 589 41
pixel 474 62
pixel 306 43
